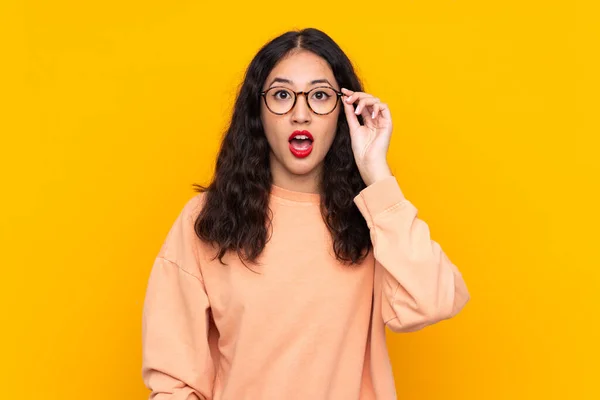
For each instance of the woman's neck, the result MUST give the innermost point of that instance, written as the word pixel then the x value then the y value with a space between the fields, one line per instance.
pixel 306 183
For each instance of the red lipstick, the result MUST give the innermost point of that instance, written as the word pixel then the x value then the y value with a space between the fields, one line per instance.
pixel 301 143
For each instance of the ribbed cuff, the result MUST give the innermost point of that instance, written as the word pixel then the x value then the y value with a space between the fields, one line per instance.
pixel 378 197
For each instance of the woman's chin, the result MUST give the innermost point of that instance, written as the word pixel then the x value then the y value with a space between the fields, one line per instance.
pixel 298 166
pixel 301 166
pixel 305 169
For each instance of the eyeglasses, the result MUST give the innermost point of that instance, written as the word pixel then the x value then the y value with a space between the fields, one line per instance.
pixel 321 100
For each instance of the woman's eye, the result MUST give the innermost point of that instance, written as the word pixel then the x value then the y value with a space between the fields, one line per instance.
pixel 321 95
pixel 282 94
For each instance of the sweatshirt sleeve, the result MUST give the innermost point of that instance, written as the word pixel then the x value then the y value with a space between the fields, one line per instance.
pixel 420 285
pixel 176 357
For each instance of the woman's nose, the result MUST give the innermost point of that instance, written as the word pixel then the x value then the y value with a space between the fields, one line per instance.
pixel 301 112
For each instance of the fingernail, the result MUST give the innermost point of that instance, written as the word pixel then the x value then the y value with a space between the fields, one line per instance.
pixel 357 111
pixel 373 115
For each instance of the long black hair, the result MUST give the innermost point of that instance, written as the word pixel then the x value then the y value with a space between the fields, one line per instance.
pixel 236 215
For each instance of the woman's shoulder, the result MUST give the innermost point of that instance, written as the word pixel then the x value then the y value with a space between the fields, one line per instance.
pixel 181 237
pixel 193 205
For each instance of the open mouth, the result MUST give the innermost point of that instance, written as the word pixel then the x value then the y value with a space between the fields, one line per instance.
pixel 301 143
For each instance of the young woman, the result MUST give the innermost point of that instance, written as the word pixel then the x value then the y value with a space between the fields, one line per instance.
pixel 277 281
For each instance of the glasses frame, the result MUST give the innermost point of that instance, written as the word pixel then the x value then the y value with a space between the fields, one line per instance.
pixel 296 94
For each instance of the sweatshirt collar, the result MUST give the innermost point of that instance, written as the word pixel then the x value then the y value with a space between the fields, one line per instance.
pixel 302 197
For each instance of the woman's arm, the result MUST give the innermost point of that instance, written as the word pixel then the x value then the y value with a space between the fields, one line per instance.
pixel 420 285
pixel 177 362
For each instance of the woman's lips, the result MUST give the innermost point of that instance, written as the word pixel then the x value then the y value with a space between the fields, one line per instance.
pixel 301 148
pixel 301 133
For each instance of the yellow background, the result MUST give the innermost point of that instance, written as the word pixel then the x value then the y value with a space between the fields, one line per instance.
pixel 111 110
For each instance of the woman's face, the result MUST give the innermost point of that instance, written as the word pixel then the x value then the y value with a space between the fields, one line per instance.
pixel 296 164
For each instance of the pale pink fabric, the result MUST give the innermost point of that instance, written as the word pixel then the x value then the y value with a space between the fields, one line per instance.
pixel 302 326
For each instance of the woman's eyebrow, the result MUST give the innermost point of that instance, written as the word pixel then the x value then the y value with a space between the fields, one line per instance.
pixel 321 81
pixel 284 80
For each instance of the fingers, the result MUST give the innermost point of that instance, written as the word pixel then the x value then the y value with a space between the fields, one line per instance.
pixel 351 117
pixel 376 108
pixel 353 96
pixel 385 111
pixel 368 106
pixel 380 109
pixel 364 102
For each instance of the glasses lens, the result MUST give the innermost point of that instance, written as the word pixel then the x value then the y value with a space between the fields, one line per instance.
pixel 322 100
pixel 279 100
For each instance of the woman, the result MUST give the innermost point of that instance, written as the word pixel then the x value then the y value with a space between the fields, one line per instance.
pixel 278 280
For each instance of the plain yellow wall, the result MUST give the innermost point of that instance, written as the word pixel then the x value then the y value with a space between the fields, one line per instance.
pixel 111 110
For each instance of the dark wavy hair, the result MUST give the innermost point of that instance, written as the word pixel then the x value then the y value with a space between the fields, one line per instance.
pixel 236 215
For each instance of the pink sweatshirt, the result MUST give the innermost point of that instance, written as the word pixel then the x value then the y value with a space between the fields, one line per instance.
pixel 304 326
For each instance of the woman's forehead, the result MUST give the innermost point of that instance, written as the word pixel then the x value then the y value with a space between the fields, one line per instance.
pixel 302 69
